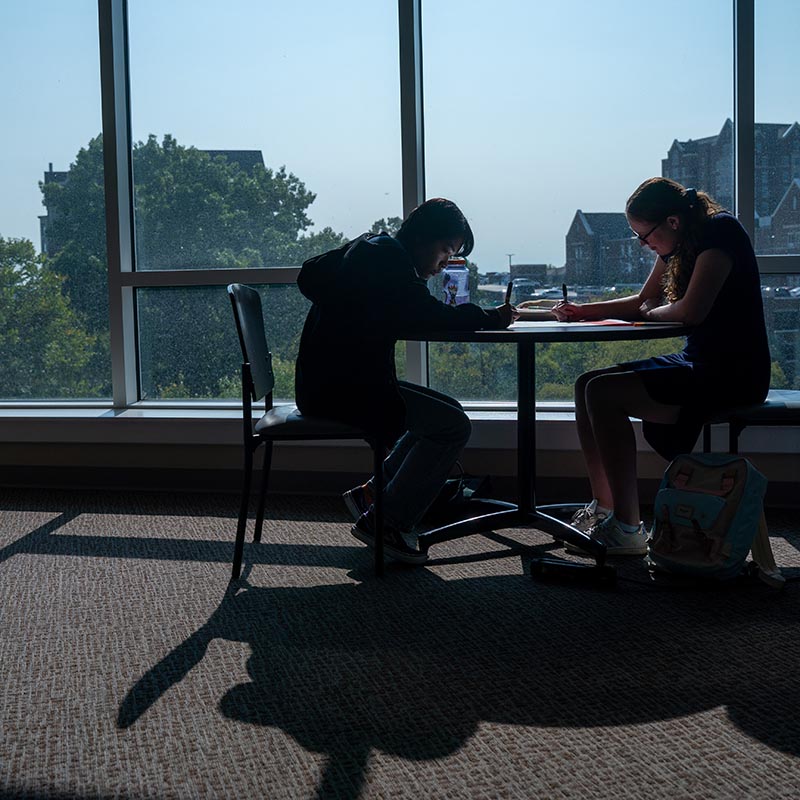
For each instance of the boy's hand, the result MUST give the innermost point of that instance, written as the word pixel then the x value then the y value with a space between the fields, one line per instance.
pixel 507 314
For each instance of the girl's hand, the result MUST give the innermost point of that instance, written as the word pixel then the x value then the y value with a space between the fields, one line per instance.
pixel 538 304
pixel 568 312
pixel 648 305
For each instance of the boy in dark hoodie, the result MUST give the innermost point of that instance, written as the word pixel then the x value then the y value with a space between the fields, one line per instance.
pixel 365 297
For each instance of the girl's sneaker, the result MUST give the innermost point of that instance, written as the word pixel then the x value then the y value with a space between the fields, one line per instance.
pixel 587 517
pixel 617 541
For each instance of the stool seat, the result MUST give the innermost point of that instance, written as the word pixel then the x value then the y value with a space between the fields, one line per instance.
pixel 781 407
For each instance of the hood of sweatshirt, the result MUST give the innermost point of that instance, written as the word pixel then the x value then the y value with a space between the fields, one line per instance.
pixel 332 276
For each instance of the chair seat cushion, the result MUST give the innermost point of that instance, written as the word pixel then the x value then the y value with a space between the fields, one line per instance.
pixel 781 405
pixel 284 421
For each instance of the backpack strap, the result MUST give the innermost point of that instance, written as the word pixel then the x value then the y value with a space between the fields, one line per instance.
pixel 764 558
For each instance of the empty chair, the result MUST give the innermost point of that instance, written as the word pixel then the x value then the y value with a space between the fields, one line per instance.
pixel 281 422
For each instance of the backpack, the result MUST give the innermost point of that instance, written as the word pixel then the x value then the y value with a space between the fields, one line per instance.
pixel 708 515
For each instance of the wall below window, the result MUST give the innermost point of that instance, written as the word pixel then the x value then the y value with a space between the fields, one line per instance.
pixel 201 454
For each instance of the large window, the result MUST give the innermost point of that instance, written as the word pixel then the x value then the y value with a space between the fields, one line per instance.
pixel 214 145
pixel 558 112
pixel 777 129
pixel 54 332
pixel 776 178
pixel 261 136
pixel 186 354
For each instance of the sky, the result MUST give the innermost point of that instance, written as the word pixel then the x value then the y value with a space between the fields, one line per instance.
pixel 532 110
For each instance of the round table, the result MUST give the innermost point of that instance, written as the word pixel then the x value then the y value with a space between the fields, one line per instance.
pixel 526 335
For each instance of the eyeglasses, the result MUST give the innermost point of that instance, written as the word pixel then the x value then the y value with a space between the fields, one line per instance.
pixel 644 237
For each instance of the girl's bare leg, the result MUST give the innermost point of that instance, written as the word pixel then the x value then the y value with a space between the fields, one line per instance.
pixel 601 491
pixel 611 399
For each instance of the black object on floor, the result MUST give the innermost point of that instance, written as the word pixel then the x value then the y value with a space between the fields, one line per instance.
pixel 557 570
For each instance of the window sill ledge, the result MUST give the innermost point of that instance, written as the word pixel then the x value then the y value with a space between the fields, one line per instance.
pixel 220 424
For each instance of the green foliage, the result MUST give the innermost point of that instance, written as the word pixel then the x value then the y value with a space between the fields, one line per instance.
pixel 188 342
pixel 474 371
pixel 44 348
pixel 472 280
pixel 488 371
pixel 191 211
pixel 388 225
pixel 778 379
pixel 283 369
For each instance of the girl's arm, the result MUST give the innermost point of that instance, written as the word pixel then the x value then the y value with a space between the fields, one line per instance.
pixel 619 308
pixel 710 272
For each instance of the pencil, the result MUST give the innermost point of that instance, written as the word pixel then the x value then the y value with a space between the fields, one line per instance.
pixel 508 291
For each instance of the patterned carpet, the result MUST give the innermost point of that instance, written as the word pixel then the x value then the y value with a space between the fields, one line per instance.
pixel 129 670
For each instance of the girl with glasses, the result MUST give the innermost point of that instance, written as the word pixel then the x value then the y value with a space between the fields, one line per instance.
pixel 705 276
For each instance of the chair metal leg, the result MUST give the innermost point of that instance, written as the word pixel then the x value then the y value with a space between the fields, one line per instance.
pixel 377 471
pixel 707 437
pixel 734 429
pixel 241 528
pixel 264 487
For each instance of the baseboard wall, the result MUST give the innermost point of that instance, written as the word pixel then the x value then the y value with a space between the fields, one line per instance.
pixel 550 488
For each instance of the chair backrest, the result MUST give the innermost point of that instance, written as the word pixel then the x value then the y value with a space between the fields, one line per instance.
pixel 249 318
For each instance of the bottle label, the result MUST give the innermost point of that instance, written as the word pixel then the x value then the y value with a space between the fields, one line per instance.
pixel 454 282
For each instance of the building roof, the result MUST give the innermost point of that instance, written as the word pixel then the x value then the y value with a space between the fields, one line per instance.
pixel 692 145
pixel 606 224
pixel 773 130
pixel 767 130
pixel 794 128
pixel 795 184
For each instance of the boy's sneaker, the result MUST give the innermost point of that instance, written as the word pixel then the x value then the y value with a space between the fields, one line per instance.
pixel 358 500
pixel 617 541
pixel 394 545
pixel 586 518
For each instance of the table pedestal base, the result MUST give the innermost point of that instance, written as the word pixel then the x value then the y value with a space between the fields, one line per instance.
pixel 498 514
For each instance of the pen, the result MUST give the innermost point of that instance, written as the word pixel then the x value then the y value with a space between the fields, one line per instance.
pixel 508 291
pixel 564 291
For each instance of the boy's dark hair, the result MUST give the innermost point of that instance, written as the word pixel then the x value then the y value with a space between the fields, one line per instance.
pixel 437 219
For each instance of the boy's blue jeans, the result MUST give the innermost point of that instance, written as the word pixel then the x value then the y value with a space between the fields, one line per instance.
pixel 420 462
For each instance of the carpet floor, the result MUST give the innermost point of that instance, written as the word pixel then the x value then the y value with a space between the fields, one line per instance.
pixel 131 671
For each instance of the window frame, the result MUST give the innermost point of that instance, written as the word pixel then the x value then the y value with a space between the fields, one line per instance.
pixel 124 280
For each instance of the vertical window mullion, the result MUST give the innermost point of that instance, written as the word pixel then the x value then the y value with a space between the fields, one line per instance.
pixel 413 144
pixel 117 171
pixel 744 112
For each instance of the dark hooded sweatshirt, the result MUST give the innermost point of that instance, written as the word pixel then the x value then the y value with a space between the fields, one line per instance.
pixel 362 304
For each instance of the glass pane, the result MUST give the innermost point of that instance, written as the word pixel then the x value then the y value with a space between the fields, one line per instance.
pixel 542 138
pixel 189 348
pixel 781 296
pixel 53 273
pixel 263 134
pixel 777 157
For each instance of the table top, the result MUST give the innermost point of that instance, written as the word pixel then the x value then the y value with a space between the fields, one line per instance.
pixel 561 332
